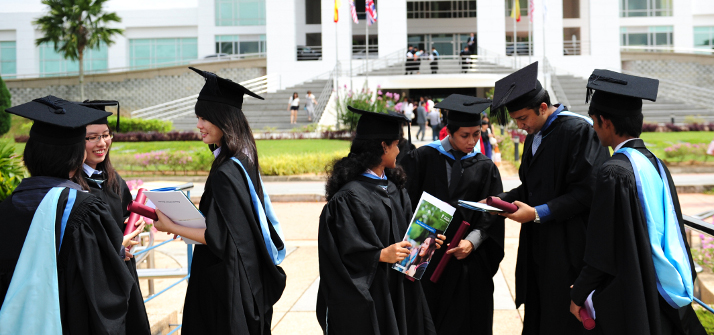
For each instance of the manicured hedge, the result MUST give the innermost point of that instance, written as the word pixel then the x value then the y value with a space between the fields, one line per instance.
pixel 132 125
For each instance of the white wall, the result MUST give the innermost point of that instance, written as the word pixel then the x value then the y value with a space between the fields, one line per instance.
pixel 442 26
pixel 491 25
pixel 393 28
pixel 19 26
pixel 683 23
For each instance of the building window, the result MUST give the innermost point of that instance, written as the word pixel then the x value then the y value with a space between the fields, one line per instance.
pixel 571 9
pixel 8 63
pixel 240 12
pixel 440 9
pixel 52 63
pixel 634 8
pixel 158 52
pixel 704 38
pixel 647 36
pixel 572 44
pixel 237 44
pixel 523 4
pixel 313 10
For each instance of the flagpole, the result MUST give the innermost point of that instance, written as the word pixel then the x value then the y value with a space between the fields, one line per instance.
pixel 530 31
pixel 545 60
pixel 515 51
pixel 366 51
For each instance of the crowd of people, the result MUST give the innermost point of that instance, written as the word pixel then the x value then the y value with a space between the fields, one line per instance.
pixel 600 234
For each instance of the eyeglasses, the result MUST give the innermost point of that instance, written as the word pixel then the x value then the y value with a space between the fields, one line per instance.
pixel 96 138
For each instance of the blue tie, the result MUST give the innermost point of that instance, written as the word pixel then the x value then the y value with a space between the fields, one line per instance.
pixel 536 142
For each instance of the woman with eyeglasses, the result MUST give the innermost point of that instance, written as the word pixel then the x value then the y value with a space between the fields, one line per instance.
pixel 103 181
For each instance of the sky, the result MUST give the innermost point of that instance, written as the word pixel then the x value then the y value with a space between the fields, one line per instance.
pixel 15 6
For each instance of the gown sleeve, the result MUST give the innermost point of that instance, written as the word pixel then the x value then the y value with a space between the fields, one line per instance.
pixel 412 165
pixel 349 251
pixel 126 197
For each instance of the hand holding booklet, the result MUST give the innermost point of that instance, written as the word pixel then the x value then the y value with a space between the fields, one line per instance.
pixel 432 217
pixel 177 207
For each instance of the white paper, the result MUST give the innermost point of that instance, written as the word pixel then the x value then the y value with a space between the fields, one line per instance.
pixel 177 207
pixel 477 206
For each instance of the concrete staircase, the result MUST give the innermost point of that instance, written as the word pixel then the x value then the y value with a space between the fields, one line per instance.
pixel 271 112
pixel 572 91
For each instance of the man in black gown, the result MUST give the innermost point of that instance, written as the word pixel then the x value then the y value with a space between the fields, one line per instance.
pixel 462 300
pixel 97 294
pixel 560 155
pixel 620 265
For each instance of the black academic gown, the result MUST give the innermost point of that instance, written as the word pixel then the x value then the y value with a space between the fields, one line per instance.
pixel 462 300
pixel 619 259
pixel 358 294
pixel 97 293
pixel 118 204
pixel 233 284
pixel 550 254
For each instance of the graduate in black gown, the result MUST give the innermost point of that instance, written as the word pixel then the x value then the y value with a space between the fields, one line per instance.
pixel 104 182
pixel 360 238
pixel 462 300
pixel 235 277
pixel 92 290
pixel 638 282
pixel 560 157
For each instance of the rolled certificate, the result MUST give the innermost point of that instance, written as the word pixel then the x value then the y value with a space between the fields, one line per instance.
pixel 143 210
pixel 588 321
pixel 134 217
pixel 445 259
pixel 502 205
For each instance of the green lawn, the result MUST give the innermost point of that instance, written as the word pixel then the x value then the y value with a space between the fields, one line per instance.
pixel 657 142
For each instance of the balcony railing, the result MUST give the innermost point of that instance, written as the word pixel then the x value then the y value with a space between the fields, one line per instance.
pixel 653 48
pixel 358 51
pixel 571 48
pixel 305 53
pixel 522 48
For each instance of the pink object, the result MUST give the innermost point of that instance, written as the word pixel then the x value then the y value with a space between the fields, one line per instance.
pixel 134 217
pixel 445 259
pixel 143 210
pixel 502 205
pixel 588 321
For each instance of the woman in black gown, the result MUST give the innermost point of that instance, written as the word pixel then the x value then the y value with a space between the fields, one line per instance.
pixel 360 237
pixel 235 277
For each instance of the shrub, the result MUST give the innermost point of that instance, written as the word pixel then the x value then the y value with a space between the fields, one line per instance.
pixel 649 127
pixel 696 127
pixel 292 164
pixel 680 151
pixel 137 136
pixel 4 103
pixel 364 100
pixel 11 170
pixel 133 125
pixel 673 127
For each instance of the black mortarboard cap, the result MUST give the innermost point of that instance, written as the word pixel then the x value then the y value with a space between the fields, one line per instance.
pixel 464 110
pixel 619 94
pixel 516 91
pixel 372 125
pixel 102 105
pixel 57 121
pixel 222 90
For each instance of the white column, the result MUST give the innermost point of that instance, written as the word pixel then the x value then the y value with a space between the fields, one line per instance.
pixel 206 13
pixel 118 52
pixel 27 54
pixel 604 46
pixel 491 25
pixel 553 31
pixel 392 29
pixel 683 24
pixel 280 35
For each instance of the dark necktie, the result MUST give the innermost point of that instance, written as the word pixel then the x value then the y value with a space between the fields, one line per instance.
pixel 455 170
pixel 97 178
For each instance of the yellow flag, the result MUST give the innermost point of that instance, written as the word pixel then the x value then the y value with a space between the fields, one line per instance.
pixel 337 6
pixel 515 12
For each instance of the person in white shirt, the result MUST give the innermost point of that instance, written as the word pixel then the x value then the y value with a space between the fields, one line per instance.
pixel 293 107
pixel 310 103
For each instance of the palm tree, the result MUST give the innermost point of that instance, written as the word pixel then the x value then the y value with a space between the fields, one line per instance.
pixel 75 25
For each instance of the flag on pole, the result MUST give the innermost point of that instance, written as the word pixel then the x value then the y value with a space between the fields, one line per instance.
pixel 531 8
pixel 516 11
pixel 337 7
pixel 370 12
pixel 353 11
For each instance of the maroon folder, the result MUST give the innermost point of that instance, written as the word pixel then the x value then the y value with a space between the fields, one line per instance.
pixel 445 259
pixel 502 205
pixel 143 210
pixel 131 224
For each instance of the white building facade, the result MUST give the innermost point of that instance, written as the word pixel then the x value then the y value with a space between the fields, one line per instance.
pixel 300 39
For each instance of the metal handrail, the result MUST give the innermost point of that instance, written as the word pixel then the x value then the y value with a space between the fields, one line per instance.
pixel 324 96
pixel 653 48
pixel 697 223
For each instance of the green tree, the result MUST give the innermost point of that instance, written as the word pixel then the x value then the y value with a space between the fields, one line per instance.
pixel 73 26
pixel 4 103
pixel 11 170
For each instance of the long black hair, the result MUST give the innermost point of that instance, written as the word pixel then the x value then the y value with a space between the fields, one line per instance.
pixel 364 154
pixel 237 136
pixel 42 159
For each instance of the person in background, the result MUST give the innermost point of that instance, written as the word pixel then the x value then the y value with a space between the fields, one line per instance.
pixel 486 137
pixel 471 43
pixel 421 120
pixel 310 104
pixel 435 123
pixel 429 104
pixel 465 59
pixel 639 275
pixel 293 106
pixel 434 58
pixel 235 274
pixel 409 65
pixel 62 268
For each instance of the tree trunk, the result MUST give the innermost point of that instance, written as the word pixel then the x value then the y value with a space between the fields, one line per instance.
pixel 81 75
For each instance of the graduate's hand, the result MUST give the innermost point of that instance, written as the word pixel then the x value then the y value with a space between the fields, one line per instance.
pixel 395 252
pixel 524 213
pixel 163 223
pixel 575 310
pixel 129 239
pixel 463 250
pixel 440 240
pixel 484 201
pixel 128 255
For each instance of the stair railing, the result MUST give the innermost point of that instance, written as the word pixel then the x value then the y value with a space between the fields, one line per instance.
pixel 325 95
